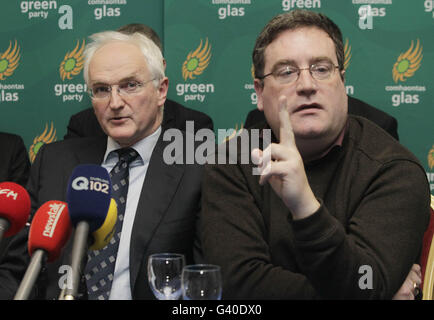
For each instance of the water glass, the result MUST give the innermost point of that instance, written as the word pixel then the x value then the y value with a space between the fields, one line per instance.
pixel 164 275
pixel 201 282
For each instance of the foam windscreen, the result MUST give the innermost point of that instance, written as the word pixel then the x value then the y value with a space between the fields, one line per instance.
pixel 88 195
pixel 14 206
pixel 50 229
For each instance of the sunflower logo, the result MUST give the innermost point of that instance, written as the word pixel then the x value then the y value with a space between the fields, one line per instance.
pixel 347 54
pixel 9 60
pixel 39 141
pixel 73 62
pixel 431 158
pixel 196 61
pixel 407 63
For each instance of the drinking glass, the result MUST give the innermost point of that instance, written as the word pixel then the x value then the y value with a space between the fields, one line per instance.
pixel 201 282
pixel 164 275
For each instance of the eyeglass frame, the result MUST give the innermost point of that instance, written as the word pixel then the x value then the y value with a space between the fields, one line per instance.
pixel 140 84
pixel 299 72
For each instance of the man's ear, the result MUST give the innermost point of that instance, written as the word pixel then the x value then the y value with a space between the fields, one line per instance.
pixel 343 75
pixel 162 90
pixel 259 88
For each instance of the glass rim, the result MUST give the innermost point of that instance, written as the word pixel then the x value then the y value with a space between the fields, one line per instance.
pixel 166 255
pixel 204 267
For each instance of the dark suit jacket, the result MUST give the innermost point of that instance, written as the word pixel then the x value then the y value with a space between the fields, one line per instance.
pixel 14 167
pixel 85 124
pixel 14 161
pixel 164 221
pixel 356 107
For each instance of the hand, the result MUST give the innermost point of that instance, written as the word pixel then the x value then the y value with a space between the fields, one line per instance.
pixel 282 166
pixel 409 288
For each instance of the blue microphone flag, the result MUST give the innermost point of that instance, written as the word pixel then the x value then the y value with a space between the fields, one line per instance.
pixel 88 195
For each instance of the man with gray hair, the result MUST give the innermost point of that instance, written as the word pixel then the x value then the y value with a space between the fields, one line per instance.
pixel 175 115
pixel 128 88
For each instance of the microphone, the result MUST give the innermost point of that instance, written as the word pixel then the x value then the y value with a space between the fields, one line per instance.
pixel 102 236
pixel 49 232
pixel 88 197
pixel 14 208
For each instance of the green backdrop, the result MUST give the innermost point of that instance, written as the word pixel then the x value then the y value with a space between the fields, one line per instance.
pixel 208 44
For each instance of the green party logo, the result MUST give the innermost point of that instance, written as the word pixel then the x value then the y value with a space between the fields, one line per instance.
pixel 407 63
pixel 197 61
pixel 405 67
pixel 44 138
pixel 9 60
pixel 73 62
pixel 71 65
pixel 195 64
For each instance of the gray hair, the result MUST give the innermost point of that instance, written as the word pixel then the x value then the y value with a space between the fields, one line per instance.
pixel 150 51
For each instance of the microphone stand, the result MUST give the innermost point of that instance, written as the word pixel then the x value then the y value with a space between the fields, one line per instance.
pixel 78 251
pixel 39 258
pixel 4 226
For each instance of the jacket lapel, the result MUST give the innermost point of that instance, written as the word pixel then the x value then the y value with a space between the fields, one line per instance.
pixel 82 151
pixel 159 188
pixel 92 151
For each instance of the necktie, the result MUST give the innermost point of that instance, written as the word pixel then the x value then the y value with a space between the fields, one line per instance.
pixel 101 263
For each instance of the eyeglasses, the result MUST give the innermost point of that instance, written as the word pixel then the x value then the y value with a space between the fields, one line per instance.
pixel 287 74
pixel 125 88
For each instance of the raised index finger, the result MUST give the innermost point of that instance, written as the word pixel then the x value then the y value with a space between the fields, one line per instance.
pixel 285 132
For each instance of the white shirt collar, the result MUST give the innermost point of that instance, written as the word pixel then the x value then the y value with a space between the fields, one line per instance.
pixel 143 147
